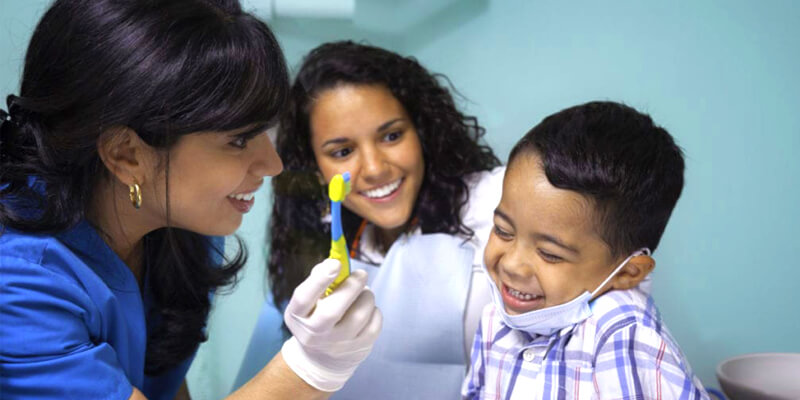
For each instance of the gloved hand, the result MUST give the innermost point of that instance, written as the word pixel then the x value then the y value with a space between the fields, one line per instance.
pixel 332 335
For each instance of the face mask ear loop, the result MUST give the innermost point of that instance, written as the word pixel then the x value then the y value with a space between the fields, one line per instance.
pixel 643 250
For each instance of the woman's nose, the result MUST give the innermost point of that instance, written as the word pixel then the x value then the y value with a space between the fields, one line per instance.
pixel 374 166
pixel 266 161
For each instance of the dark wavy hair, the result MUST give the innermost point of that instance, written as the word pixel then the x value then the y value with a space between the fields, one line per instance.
pixel 619 158
pixel 164 69
pixel 451 147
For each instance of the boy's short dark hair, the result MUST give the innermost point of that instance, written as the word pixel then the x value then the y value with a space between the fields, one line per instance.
pixel 616 156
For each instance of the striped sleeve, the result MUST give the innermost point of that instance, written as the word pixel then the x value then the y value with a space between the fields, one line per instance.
pixel 636 362
pixel 473 382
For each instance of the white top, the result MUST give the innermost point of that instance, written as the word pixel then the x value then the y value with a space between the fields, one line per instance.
pixel 485 189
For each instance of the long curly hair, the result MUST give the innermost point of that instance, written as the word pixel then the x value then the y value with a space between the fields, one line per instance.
pixel 451 147
pixel 164 69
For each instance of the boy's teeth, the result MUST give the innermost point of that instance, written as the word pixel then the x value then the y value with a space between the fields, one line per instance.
pixel 383 190
pixel 520 295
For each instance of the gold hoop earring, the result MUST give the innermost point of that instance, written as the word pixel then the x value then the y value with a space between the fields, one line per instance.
pixel 136 195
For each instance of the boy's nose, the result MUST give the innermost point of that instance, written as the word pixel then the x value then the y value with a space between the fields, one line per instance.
pixel 516 267
pixel 517 272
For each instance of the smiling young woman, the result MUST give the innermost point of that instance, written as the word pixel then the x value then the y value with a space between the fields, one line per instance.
pixel 423 190
pixel 365 130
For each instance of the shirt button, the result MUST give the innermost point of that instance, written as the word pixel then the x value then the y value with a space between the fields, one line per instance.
pixel 528 355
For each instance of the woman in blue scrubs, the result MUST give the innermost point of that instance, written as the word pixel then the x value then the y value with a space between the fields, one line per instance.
pixel 136 143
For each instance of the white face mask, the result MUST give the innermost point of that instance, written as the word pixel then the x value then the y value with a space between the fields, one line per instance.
pixel 553 319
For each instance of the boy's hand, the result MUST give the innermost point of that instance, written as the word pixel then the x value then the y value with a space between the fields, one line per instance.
pixel 332 335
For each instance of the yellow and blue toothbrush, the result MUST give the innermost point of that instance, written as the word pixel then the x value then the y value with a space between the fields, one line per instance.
pixel 338 189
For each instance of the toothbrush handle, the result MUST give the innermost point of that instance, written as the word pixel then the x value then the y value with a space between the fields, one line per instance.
pixel 338 246
pixel 339 252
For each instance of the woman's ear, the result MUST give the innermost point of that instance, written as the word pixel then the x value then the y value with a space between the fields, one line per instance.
pixel 124 154
pixel 320 178
pixel 633 272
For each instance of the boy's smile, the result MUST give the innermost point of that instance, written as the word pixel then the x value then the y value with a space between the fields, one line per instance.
pixel 544 249
pixel 519 301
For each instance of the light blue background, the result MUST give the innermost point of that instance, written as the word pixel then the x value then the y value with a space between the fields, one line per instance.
pixel 721 76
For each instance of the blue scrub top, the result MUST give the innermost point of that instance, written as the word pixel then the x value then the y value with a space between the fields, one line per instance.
pixel 72 320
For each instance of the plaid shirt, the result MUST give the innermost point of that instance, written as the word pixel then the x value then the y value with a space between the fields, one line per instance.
pixel 623 351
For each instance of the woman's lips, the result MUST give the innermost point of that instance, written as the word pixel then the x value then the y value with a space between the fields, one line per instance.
pixel 242 202
pixel 394 188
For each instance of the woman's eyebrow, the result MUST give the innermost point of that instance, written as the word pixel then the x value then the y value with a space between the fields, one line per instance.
pixel 382 127
pixel 388 124
pixel 338 140
pixel 251 131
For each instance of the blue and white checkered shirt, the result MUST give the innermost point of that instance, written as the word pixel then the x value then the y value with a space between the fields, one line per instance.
pixel 623 351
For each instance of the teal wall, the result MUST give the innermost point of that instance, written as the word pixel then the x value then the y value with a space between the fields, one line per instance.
pixel 721 76
pixel 17 20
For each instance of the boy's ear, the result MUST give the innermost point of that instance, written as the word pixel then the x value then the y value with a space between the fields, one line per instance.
pixel 633 272
pixel 124 154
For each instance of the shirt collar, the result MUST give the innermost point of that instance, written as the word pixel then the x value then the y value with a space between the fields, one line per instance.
pixel 85 241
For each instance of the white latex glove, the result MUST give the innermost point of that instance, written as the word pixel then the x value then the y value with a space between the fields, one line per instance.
pixel 332 335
